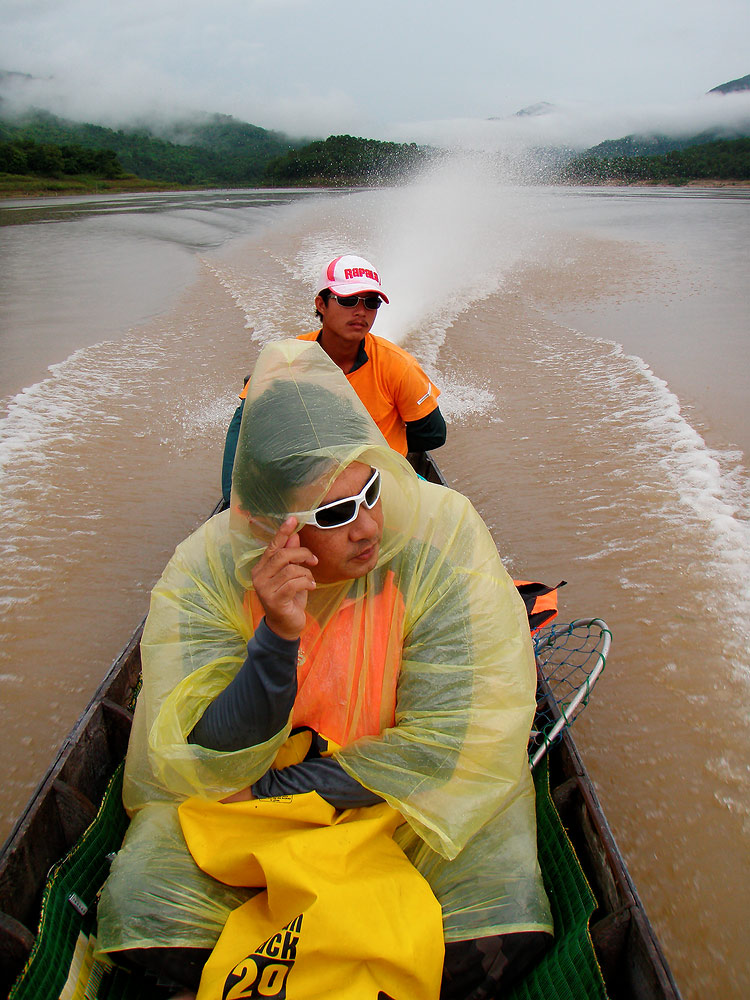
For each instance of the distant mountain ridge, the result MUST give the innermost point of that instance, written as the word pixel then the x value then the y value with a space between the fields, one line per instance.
pixel 659 143
pixel 656 144
pixel 210 149
pixel 218 150
pixel 530 111
pixel 733 86
pixel 649 144
pixel 10 76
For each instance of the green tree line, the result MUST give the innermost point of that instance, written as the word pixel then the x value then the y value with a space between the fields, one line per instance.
pixel 341 159
pixel 160 160
pixel 724 159
pixel 344 159
pixel 24 156
pixel 220 152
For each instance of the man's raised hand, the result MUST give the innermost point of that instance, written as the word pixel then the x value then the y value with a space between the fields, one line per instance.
pixel 282 578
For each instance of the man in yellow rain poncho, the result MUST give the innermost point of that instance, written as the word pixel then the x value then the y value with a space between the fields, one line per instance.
pixel 342 656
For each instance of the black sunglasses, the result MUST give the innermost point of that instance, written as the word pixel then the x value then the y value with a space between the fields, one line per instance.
pixel 350 301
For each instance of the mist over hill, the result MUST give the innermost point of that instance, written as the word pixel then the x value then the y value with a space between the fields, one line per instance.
pixel 222 134
pixel 659 143
pixel 653 145
pixel 205 149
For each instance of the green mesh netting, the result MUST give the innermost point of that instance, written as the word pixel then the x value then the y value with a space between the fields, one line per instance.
pixel 569 970
pixel 61 964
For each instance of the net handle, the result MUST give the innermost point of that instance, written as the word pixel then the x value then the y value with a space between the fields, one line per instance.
pixel 567 714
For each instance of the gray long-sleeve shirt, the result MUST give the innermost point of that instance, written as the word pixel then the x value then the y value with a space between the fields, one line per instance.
pixel 255 706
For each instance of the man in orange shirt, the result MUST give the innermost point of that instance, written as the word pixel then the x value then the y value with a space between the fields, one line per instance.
pixel 400 398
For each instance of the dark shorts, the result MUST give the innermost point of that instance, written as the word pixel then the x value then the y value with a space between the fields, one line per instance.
pixel 488 967
pixel 480 969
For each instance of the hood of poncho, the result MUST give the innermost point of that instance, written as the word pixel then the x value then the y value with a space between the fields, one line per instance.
pixel 302 425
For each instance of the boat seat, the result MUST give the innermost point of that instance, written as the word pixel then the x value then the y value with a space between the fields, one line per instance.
pixel 62 965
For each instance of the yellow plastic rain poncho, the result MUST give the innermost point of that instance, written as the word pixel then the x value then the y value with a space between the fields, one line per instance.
pixel 440 733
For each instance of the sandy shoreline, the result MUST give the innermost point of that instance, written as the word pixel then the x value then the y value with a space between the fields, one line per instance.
pixel 695 183
pixel 63 189
pixel 110 188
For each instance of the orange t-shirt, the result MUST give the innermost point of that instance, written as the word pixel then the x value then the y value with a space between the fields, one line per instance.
pixel 343 691
pixel 392 386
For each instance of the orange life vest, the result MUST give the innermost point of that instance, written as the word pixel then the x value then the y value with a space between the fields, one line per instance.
pixel 540 601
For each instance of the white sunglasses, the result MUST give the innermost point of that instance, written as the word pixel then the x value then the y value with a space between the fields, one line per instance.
pixel 340 512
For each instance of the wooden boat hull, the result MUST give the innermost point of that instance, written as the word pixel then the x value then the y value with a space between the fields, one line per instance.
pixel 66 800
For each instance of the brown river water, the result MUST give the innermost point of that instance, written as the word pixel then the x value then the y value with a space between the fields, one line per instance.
pixel 593 350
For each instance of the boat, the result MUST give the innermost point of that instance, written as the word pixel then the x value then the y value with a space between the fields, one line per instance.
pixel 56 826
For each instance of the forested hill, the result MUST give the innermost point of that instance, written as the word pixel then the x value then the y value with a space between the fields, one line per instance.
pixel 725 160
pixel 214 150
pixel 657 144
pixel 41 152
pixel 344 159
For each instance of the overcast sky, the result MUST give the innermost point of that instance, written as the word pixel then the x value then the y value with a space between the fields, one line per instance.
pixel 393 68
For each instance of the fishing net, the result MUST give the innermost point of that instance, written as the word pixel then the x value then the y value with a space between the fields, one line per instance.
pixel 570 659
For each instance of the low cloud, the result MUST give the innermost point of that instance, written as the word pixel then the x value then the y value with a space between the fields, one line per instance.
pixel 295 66
pixel 140 88
pixel 305 114
pixel 579 126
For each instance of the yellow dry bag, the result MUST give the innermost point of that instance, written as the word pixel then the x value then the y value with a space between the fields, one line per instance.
pixel 341 912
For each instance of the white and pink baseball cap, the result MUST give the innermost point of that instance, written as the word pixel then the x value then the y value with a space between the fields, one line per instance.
pixel 350 275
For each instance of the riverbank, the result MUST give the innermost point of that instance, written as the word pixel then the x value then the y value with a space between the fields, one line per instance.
pixel 14 186
pixel 27 186
pixel 705 182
